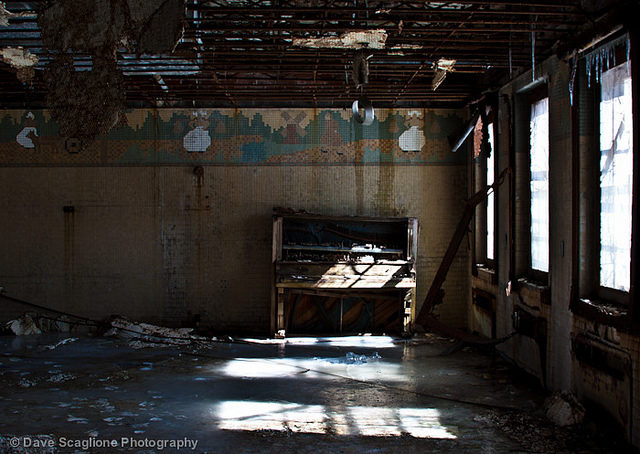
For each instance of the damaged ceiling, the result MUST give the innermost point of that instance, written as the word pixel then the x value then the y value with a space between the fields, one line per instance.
pixel 177 53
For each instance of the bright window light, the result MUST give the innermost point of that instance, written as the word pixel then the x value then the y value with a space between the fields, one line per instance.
pixel 363 367
pixel 491 196
pixel 539 146
pixel 616 177
pixel 319 419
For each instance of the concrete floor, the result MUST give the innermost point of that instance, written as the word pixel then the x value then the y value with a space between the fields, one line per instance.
pixel 367 394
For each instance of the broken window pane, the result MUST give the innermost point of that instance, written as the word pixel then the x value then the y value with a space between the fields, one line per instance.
pixel 539 144
pixel 616 175
pixel 490 197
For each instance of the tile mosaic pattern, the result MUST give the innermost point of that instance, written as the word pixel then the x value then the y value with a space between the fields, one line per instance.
pixel 238 137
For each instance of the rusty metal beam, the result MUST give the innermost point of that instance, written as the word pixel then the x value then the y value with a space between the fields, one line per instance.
pixel 434 295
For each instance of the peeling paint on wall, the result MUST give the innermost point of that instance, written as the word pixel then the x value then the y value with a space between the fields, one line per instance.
pixel 412 139
pixel 23 137
pixel 197 140
pixel 240 137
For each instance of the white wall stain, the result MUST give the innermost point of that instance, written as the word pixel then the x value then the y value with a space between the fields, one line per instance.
pixel 197 140
pixel 23 137
pixel 412 139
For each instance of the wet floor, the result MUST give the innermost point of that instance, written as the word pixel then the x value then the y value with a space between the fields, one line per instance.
pixel 367 394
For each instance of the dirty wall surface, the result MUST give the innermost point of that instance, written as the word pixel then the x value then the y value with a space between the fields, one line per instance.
pixel 168 218
pixel 556 356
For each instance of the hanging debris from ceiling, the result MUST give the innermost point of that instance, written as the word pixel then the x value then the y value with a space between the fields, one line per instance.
pixel 360 71
pixel 442 67
pixel 105 25
pixel 85 104
pixel 5 14
pixel 21 61
pixel 160 27
pixel 99 28
pixel 361 39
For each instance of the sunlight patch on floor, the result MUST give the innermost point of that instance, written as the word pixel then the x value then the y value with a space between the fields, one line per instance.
pixel 318 419
pixel 356 367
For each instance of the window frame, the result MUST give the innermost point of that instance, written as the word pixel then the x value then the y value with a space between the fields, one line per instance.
pixel 591 300
pixel 479 181
pixel 616 296
pixel 491 262
pixel 536 94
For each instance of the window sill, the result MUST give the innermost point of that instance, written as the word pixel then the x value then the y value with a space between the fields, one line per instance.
pixel 532 293
pixel 486 274
pixel 602 312
pixel 531 289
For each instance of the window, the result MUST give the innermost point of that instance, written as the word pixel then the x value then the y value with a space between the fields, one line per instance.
pixel 605 188
pixel 616 177
pixel 491 196
pixel 483 164
pixel 539 186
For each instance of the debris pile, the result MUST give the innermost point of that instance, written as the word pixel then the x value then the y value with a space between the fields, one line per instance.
pixel 537 434
pixel 141 335
pixel 32 323
pixel 563 409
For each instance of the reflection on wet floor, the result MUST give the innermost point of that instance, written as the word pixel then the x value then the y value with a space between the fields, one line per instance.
pixel 364 421
pixel 349 394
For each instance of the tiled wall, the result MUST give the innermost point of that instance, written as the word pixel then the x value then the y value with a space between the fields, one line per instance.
pixel 238 137
pixel 151 237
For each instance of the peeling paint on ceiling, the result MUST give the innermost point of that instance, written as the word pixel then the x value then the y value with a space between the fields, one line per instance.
pixel 363 39
pixel 444 66
pixel 21 60
pixel 4 16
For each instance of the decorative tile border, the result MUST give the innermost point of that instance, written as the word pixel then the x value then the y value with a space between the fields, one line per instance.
pixel 237 137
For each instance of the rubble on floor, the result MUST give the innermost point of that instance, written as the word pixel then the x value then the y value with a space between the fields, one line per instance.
pixel 33 323
pixel 143 335
pixel 564 409
pixel 540 435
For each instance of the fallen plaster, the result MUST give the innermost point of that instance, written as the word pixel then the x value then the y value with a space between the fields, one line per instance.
pixel 564 409
pixel 142 335
pixel 366 39
pixel 32 323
